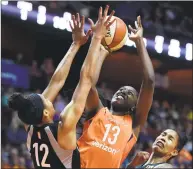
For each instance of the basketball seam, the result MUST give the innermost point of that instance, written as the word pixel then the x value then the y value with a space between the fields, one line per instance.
pixel 114 46
pixel 114 33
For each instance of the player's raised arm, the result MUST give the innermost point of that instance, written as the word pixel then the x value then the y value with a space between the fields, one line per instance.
pixel 74 110
pixel 147 88
pixel 60 75
pixel 93 103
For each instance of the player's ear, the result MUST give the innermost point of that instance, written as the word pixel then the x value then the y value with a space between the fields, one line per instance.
pixel 174 152
pixel 45 113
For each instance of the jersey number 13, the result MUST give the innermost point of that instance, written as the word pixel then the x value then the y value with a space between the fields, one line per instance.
pixel 116 131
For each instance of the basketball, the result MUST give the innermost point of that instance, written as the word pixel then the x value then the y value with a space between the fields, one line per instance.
pixel 116 35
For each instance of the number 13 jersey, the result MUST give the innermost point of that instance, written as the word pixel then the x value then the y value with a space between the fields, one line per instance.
pixel 106 140
pixel 45 150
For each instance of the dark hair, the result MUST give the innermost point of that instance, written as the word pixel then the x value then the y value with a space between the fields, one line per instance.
pixel 29 108
pixel 18 102
pixel 182 140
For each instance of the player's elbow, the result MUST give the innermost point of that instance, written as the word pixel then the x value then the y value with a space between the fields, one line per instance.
pixel 151 79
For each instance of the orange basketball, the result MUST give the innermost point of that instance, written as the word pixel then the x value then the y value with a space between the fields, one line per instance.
pixel 116 35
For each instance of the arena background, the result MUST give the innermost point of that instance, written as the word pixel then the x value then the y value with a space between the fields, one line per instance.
pixel 32 46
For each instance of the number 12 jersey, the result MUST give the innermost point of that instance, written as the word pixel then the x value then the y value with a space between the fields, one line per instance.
pixel 45 150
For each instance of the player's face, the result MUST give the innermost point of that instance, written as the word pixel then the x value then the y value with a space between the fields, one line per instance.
pixel 124 99
pixel 48 106
pixel 166 143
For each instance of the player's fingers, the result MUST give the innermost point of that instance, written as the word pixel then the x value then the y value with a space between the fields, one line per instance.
pixel 110 23
pixel 100 13
pixel 78 18
pixel 74 21
pixel 131 29
pixel 91 22
pixel 71 26
pixel 109 18
pixel 136 25
pixel 147 155
pixel 89 32
pixel 106 11
pixel 139 21
pixel 82 22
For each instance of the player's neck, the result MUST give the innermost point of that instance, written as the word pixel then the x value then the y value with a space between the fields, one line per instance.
pixel 45 122
pixel 154 159
pixel 118 113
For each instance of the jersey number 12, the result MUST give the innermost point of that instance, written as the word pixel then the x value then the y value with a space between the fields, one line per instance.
pixel 46 150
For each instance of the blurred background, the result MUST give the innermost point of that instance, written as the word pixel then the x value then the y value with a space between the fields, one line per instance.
pixel 36 35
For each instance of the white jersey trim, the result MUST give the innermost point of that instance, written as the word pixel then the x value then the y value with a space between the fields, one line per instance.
pixel 29 135
pixel 65 156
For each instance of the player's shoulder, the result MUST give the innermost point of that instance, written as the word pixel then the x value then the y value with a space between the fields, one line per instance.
pixel 101 110
pixel 164 165
pixel 52 126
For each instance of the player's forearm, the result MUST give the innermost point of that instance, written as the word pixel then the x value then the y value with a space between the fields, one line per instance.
pixel 101 57
pixel 133 163
pixel 92 59
pixel 148 71
pixel 62 71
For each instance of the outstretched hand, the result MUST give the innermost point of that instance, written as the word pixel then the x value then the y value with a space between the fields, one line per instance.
pixel 136 33
pixel 78 34
pixel 103 23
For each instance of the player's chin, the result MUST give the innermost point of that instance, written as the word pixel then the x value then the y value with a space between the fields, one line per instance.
pixel 116 101
pixel 157 149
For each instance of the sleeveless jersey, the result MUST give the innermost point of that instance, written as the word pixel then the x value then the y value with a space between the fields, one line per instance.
pixel 45 150
pixel 106 140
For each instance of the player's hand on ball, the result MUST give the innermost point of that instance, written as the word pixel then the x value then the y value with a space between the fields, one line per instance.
pixel 136 33
pixel 78 35
pixel 103 23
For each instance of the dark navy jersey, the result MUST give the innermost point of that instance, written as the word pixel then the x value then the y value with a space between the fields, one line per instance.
pixel 45 150
pixel 158 165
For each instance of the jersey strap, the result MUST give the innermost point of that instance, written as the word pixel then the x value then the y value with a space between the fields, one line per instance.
pixel 29 135
pixel 65 156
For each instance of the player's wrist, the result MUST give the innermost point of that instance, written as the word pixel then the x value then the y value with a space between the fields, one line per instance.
pixel 99 37
pixel 76 44
pixel 139 40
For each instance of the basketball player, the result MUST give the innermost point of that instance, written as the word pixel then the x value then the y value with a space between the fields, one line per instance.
pixel 53 145
pixel 109 135
pixel 166 146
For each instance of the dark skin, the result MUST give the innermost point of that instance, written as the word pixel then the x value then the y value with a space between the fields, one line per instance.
pixel 163 148
pixel 126 99
pixel 69 117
